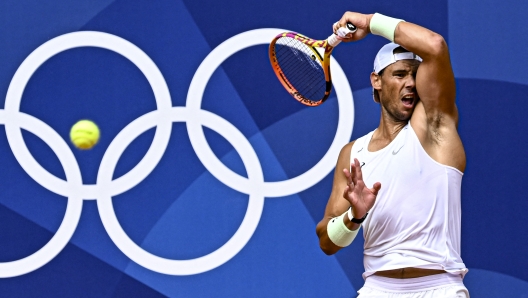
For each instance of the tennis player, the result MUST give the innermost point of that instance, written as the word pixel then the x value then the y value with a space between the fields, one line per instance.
pixel 402 181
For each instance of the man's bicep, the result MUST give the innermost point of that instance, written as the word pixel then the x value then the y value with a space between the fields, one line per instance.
pixel 435 80
pixel 435 84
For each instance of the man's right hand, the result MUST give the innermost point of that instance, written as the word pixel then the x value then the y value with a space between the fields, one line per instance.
pixel 361 21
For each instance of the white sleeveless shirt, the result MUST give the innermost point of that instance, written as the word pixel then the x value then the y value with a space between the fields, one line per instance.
pixel 415 221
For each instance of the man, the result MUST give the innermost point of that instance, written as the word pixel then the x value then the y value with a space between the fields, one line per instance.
pixel 402 181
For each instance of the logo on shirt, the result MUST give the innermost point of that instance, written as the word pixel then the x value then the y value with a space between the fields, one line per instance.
pixel 396 152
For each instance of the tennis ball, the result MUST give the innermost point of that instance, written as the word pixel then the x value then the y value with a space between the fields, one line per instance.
pixel 84 134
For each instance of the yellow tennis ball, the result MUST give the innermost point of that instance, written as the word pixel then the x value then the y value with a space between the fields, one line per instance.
pixel 84 134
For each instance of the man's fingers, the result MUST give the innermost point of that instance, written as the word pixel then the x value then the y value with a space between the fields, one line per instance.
pixel 376 188
pixel 357 172
pixel 348 176
pixel 346 192
pixel 353 169
pixel 336 26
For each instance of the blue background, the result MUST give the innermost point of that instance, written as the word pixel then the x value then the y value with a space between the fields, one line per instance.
pixel 487 39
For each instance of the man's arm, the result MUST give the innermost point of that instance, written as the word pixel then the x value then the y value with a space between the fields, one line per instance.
pixel 336 205
pixel 435 79
pixel 348 190
pixel 435 117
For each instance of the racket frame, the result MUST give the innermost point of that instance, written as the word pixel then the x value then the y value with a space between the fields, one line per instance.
pixel 325 64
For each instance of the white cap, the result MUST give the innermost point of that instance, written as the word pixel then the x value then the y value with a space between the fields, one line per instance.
pixel 386 57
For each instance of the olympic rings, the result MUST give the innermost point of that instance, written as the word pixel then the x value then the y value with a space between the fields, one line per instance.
pixel 162 118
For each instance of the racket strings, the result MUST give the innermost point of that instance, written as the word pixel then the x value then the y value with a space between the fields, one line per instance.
pixel 301 67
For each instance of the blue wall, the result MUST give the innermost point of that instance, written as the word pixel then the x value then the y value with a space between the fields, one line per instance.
pixel 204 183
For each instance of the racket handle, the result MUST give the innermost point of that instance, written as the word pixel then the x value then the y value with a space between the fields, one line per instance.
pixel 341 32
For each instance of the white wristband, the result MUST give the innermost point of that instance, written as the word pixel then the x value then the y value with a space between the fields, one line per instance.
pixel 338 233
pixel 384 26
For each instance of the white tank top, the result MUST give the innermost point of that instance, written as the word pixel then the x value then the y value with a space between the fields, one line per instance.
pixel 415 221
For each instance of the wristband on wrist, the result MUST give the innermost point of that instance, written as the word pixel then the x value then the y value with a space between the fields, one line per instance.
pixel 355 220
pixel 384 26
pixel 338 233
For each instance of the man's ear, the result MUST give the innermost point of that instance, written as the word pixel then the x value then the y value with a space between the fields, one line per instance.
pixel 375 80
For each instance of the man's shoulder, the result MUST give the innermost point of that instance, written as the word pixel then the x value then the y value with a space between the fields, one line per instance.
pixel 346 148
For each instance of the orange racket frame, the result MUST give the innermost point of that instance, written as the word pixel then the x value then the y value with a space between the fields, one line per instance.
pixel 325 63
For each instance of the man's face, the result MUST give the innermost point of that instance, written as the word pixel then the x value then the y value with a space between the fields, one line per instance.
pixel 397 89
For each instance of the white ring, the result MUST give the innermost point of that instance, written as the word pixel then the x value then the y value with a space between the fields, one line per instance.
pixel 232 246
pixel 41 55
pixel 226 175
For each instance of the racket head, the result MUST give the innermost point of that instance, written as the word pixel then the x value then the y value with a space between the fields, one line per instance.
pixel 301 68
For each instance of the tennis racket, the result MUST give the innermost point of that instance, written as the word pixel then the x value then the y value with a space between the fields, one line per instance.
pixel 302 64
